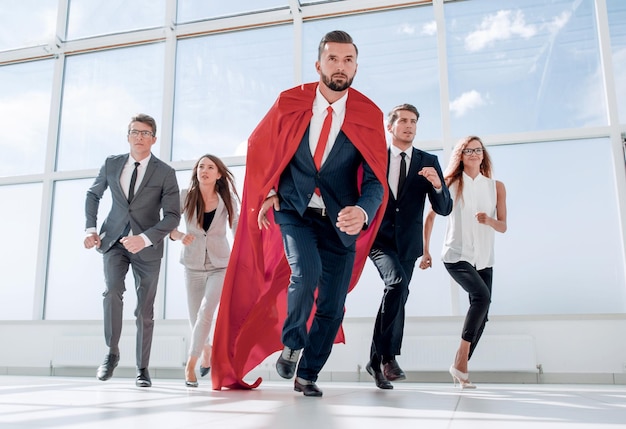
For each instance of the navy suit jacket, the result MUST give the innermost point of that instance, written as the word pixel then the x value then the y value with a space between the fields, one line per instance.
pixel 337 181
pixel 402 226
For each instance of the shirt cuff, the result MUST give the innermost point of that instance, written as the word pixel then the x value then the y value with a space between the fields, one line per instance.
pixel 146 240
pixel 365 213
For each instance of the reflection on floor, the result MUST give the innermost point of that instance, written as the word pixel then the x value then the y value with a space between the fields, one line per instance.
pixel 86 403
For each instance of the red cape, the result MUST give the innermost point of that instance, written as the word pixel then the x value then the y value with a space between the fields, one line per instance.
pixel 253 305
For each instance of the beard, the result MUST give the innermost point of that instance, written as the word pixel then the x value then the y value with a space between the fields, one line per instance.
pixel 337 86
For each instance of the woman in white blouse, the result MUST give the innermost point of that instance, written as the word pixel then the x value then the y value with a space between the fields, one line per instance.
pixel 468 250
pixel 209 206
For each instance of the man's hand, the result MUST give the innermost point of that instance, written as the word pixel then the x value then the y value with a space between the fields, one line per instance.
pixel 431 175
pixel 351 220
pixel 133 243
pixel 92 240
pixel 269 202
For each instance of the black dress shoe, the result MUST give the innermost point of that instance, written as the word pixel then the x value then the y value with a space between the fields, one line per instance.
pixel 308 388
pixel 204 370
pixel 286 363
pixel 105 371
pixel 392 371
pixel 143 378
pixel 379 377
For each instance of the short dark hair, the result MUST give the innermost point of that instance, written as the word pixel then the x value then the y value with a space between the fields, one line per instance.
pixel 336 36
pixel 393 115
pixel 145 119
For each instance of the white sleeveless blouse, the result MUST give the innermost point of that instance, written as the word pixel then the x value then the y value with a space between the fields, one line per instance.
pixel 466 239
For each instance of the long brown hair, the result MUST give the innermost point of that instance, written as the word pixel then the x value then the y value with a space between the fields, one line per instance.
pixel 454 172
pixel 224 186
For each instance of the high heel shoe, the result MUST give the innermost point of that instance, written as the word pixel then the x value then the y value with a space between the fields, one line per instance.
pixel 461 377
pixel 204 370
pixel 191 383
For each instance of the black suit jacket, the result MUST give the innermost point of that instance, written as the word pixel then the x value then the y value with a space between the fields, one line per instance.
pixel 402 225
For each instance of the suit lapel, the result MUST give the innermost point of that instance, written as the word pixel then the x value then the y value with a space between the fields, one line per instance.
pixel 150 169
pixel 118 174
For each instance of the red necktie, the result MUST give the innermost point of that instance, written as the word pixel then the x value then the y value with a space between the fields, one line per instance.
pixel 321 143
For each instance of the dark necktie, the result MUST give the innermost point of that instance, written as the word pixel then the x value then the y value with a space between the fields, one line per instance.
pixel 402 175
pixel 133 180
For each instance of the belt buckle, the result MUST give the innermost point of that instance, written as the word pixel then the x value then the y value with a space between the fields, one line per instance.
pixel 323 211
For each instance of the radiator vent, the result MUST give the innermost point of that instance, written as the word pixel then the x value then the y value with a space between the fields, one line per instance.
pixel 494 353
pixel 88 351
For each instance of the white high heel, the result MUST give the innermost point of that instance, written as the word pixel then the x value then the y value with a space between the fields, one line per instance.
pixel 461 377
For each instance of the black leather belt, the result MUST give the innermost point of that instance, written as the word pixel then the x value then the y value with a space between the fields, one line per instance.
pixel 314 211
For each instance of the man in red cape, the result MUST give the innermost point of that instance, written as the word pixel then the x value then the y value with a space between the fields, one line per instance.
pixel 253 305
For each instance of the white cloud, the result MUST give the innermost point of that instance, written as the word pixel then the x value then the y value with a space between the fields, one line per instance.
pixel 430 28
pixel 501 26
pixel 466 102
pixel 559 22
pixel 406 29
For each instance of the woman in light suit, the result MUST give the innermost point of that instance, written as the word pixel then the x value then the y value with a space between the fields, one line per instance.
pixel 208 206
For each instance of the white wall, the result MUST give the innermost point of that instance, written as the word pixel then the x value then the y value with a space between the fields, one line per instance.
pixel 569 349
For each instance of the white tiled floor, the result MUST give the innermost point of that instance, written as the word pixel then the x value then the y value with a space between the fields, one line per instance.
pixel 85 403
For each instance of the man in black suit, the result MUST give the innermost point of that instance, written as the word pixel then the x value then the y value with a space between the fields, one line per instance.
pixel 412 175
pixel 142 186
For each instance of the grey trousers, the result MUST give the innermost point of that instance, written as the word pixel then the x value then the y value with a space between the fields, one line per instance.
pixel 146 273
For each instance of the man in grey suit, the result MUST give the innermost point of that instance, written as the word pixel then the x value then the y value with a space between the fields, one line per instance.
pixel 132 234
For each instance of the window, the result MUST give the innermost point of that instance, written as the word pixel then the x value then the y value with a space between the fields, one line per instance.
pixel 528 67
pixel 101 92
pixel 225 84
pixel 397 60
pixel 20 236
pixel 93 18
pixel 25 91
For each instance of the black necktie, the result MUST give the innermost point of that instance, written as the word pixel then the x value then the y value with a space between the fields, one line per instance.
pixel 133 180
pixel 402 176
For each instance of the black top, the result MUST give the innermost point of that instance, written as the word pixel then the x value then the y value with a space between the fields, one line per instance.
pixel 208 218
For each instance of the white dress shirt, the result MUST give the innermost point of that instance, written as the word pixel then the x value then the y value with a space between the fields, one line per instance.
pixel 394 167
pixel 320 104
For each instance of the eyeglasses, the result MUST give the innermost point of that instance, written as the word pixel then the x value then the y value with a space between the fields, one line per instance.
pixel 477 151
pixel 136 133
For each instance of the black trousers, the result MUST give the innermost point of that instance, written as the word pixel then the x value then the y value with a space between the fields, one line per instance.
pixel 389 327
pixel 477 283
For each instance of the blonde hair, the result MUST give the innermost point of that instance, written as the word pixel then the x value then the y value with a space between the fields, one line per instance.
pixel 454 172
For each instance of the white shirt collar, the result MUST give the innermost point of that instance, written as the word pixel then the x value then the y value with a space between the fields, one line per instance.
pixel 320 104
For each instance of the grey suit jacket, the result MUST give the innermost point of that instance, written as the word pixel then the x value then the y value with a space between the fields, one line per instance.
pixel 212 243
pixel 157 193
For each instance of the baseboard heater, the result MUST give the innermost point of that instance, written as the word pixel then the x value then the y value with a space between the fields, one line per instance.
pixel 494 353
pixel 88 351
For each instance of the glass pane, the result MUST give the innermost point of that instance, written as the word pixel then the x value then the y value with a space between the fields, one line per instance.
pixel 25 92
pixel 175 292
pixel 561 238
pixel 93 18
pixel 397 60
pixel 102 91
pixel 224 86
pixel 617 28
pixel 25 23
pixel 534 66
pixel 195 10
pixel 73 270
pixel 18 255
